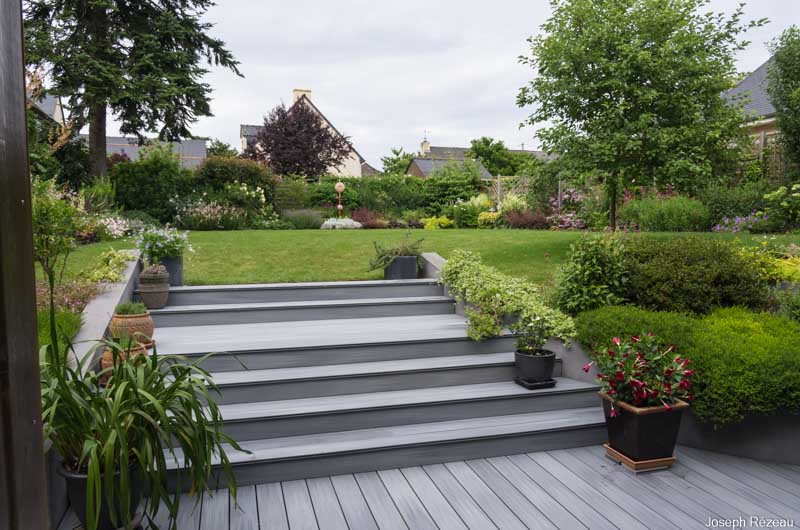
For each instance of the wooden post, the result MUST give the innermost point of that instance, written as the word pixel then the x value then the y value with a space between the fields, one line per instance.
pixel 23 494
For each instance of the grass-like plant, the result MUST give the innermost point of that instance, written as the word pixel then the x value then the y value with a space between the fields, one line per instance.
pixel 123 434
pixel 385 255
pixel 130 308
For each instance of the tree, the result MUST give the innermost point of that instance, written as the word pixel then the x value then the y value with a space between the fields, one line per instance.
pixel 221 149
pixel 784 89
pixel 631 90
pixel 140 60
pixel 397 162
pixel 496 157
pixel 295 141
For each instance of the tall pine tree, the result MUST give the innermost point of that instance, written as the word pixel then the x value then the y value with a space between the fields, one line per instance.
pixel 143 61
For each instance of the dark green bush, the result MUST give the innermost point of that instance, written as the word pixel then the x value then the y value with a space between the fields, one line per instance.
pixel 594 276
pixel 746 363
pixel 731 201
pixel 152 183
pixel 691 274
pixel 217 171
pixel 290 194
pixel 322 193
pixel 672 214
pixel 448 184
pixel 303 219
pixel 789 303
pixel 598 326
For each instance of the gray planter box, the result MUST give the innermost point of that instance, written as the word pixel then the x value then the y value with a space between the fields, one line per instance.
pixel 175 269
pixel 401 268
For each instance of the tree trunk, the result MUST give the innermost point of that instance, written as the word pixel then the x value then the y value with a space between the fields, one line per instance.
pixel 612 204
pixel 97 139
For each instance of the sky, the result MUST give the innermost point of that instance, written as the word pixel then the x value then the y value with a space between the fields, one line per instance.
pixel 384 73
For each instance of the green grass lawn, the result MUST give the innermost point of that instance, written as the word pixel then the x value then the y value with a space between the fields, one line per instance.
pixel 267 256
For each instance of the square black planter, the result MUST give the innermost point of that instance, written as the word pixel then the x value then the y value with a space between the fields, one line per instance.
pixel 401 268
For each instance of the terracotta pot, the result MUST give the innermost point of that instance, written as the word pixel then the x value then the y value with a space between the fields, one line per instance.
pixel 137 327
pixel 643 433
pixel 154 289
pixel 107 360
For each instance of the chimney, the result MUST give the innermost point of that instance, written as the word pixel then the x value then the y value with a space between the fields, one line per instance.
pixel 425 147
pixel 297 93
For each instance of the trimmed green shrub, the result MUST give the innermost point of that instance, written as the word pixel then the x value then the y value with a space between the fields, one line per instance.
pixel 290 194
pixel 691 274
pixel 465 214
pixel 323 193
pixel 672 214
pixel 303 219
pixel 151 183
pixel 746 363
pixel 723 201
pixel 449 183
pixel 598 326
pixel 218 171
pixel 594 276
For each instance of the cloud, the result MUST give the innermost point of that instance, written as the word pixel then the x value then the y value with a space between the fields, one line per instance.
pixel 385 72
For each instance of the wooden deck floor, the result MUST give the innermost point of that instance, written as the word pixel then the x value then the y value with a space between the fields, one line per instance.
pixel 571 489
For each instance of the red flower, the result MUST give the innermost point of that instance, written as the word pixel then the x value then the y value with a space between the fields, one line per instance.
pixel 688 373
pixel 616 341
pixel 667 406
pixel 635 339
pixel 620 376
pixel 611 353
pixel 668 372
pixel 586 367
pixel 685 384
pixel 613 412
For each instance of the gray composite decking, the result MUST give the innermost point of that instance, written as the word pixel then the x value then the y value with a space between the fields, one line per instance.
pixel 570 488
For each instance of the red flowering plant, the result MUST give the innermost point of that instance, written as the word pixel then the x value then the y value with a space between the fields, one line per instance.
pixel 641 372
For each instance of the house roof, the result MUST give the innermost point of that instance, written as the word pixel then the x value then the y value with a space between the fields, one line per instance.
pixel 460 153
pixel 191 153
pixel 753 89
pixel 49 107
pixel 428 165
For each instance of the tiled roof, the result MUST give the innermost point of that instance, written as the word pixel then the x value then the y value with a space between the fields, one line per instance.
pixel 192 153
pixel 460 153
pixel 753 90
pixel 427 165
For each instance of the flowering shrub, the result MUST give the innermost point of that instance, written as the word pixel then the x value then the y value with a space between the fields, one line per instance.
pixel 493 298
pixel 740 223
pixel 566 221
pixel 71 296
pixel 465 213
pixel 335 223
pixel 435 223
pixel 159 243
pixel 488 219
pixel 512 203
pixel 783 205
pixel 203 215
pixel 642 373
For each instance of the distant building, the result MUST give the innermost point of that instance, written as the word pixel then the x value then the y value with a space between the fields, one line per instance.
pixel 354 165
pixel 759 111
pixel 431 157
pixel 50 108
pixel 191 153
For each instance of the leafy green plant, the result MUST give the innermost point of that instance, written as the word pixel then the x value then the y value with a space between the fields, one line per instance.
pixel 157 244
pixel 449 183
pixel 783 206
pixel 512 203
pixel 596 326
pixel 494 298
pixel 465 213
pixel 218 172
pixel 98 196
pixel 691 274
pixel 111 265
pixel 789 303
pixel 152 410
pixel 722 200
pixel 385 255
pixel 488 219
pixel 641 372
pixel 671 214
pixel 130 308
pixel 291 194
pixel 435 223
pixel 303 219
pixel 595 275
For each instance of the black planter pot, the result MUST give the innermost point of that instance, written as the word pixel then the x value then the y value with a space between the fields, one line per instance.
pixel 175 269
pixel 76 493
pixel 535 368
pixel 643 433
pixel 401 268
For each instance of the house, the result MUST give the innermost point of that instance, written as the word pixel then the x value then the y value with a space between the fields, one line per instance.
pixel 761 119
pixel 354 165
pixel 431 157
pixel 50 108
pixel 191 153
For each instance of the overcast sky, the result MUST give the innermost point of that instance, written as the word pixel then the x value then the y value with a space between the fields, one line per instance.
pixel 384 72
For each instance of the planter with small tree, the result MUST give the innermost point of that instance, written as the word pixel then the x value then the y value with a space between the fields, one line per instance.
pixel 131 320
pixel 154 286
pixel 534 325
pixel 642 386
pixel 167 247
pixel 400 261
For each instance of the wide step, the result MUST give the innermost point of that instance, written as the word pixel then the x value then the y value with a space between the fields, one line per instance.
pixel 333 453
pixel 250 313
pixel 271 419
pixel 298 292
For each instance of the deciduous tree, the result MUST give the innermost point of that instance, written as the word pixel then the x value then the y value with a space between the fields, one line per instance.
pixel 784 89
pixel 397 162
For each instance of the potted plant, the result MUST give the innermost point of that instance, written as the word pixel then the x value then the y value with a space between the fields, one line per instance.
pixel 165 246
pixel 124 349
pixel 534 325
pixel 642 383
pixel 400 261
pixel 131 319
pixel 154 286
pixel 116 440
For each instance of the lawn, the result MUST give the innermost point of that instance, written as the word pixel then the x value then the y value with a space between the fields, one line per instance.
pixel 250 256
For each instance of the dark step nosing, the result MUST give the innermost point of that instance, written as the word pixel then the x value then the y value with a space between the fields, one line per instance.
pixel 509 394
pixel 468 362
pixel 330 346
pixel 395 437
pixel 313 304
pixel 300 285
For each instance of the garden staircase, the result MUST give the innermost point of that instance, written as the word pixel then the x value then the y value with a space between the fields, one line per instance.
pixel 329 378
